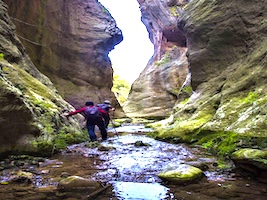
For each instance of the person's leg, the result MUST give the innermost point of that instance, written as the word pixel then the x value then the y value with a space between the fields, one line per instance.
pixel 106 119
pixel 91 132
pixel 103 131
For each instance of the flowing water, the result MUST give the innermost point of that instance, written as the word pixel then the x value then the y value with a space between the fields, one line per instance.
pixel 127 166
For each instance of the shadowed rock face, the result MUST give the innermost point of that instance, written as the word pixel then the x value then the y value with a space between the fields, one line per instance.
pixel 31 109
pixel 69 41
pixel 155 92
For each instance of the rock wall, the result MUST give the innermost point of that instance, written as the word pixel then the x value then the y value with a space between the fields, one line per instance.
pixel 31 119
pixel 69 41
pixel 158 87
pixel 227 57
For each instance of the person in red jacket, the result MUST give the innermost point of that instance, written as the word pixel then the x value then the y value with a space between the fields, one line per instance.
pixel 94 116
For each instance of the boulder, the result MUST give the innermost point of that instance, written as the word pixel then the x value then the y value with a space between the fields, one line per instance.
pixel 252 161
pixel 181 174
pixel 78 183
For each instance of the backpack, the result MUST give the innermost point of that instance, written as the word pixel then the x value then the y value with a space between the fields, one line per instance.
pixel 104 107
pixel 92 113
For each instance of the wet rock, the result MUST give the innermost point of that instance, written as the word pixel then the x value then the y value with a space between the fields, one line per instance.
pixel 47 189
pixel 65 175
pixel 181 174
pixel 201 165
pixel 104 148
pixel 92 144
pixel 252 161
pixel 78 183
pixel 141 144
pixel 23 177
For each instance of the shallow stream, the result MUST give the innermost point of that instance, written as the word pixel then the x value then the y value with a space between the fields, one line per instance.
pixel 129 171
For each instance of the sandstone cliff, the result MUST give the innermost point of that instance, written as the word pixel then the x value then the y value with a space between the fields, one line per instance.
pixel 156 90
pixel 31 119
pixel 69 41
pixel 226 43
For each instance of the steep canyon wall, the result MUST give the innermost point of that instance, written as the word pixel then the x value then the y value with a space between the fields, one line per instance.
pixel 31 111
pixel 69 41
pixel 226 54
pixel 158 87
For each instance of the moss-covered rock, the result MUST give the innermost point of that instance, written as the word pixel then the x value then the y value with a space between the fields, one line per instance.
pixel 77 62
pixel 227 57
pixel 181 174
pixel 249 154
pixel 32 117
pixel 251 162
pixel 254 157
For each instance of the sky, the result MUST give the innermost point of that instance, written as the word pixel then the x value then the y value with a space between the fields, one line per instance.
pixel 130 57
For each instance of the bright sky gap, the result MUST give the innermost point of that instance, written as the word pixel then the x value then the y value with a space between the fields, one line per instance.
pixel 130 57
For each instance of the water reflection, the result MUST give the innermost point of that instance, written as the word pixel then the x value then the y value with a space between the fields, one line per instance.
pixel 138 191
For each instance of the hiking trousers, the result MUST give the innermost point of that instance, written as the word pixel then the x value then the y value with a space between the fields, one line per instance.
pixel 91 129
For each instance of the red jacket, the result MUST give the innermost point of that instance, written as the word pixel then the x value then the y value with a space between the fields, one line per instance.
pixel 83 109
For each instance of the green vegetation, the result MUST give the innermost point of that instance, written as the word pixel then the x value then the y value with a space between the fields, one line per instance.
pixel 164 60
pixel 120 88
pixel 251 98
pixel 51 142
pixel 188 90
pixel 2 56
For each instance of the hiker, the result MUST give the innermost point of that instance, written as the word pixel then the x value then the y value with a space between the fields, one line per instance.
pixel 106 107
pixel 94 116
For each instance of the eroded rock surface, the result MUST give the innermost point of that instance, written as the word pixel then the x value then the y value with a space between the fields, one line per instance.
pixel 226 43
pixel 31 111
pixel 156 90
pixel 69 41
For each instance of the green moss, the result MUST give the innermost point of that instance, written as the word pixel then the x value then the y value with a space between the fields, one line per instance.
pixel 188 90
pixel 248 153
pixel 46 105
pixel 35 88
pixel 52 142
pixel 184 101
pixel 250 98
pixel 2 56
pixel 164 60
pixel 220 143
pixel 180 173
pixel 44 145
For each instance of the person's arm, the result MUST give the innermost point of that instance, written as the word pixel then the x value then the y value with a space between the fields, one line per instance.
pixel 111 108
pixel 102 111
pixel 76 111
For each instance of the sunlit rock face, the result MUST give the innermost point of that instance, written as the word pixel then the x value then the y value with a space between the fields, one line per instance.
pixel 226 43
pixel 156 90
pixel 31 111
pixel 227 56
pixel 69 41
